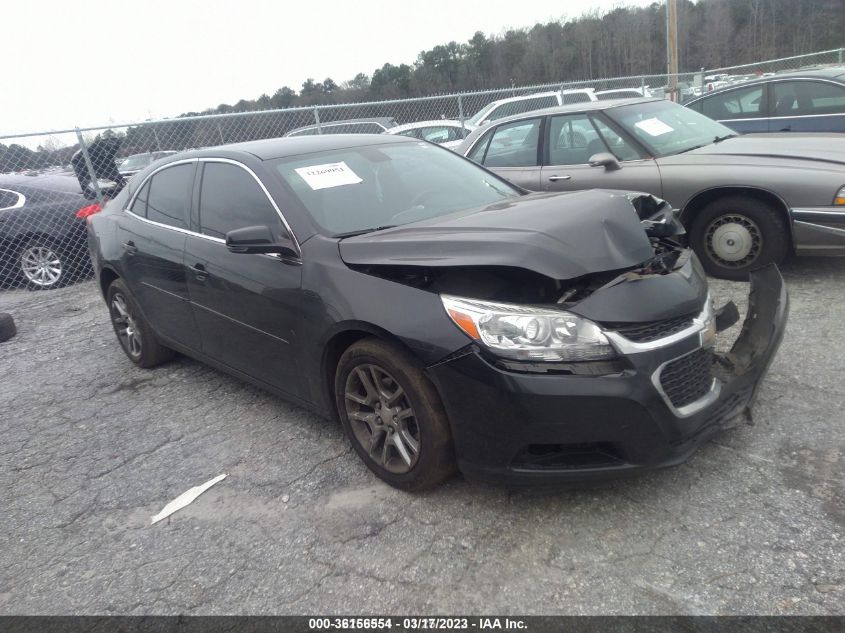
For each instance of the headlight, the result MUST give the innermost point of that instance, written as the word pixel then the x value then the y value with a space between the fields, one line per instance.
pixel 839 200
pixel 528 333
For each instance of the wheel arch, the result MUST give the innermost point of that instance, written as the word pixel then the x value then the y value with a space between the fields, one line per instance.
pixel 338 341
pixel 107 276
pixel 701 199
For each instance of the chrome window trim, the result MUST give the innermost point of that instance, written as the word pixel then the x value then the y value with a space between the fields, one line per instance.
pixel 699 326
pixel 777 118
pixel 21 200
pixel 209 159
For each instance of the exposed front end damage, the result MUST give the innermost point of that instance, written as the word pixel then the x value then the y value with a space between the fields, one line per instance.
pixel 626 378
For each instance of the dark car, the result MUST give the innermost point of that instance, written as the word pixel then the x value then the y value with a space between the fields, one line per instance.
pixel 520 337
pixel 807 101
pixel 747 200
pixel 42 231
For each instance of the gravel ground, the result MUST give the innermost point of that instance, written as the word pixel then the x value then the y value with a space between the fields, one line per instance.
pixel 93 447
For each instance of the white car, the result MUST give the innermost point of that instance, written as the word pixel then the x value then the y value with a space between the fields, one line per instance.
pixel 527 103
pixel 623 93
pixel 446 132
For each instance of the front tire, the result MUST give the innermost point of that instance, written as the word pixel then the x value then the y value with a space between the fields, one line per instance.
pixel 737 234
pixel 393 416
pixel 134 334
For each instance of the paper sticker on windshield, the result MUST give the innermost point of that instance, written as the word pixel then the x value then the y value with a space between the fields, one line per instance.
pixel 654 127
pixel 328 175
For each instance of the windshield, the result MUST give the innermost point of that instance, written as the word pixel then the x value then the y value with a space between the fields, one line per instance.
pixel 479 116
pixel 363 188
pixel 667 128
pixel 138 161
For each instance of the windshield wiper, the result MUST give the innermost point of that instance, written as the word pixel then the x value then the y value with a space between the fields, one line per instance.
pixel 363 231
pixel 716 139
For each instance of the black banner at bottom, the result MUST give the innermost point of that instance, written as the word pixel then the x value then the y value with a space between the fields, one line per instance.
pixel 409 624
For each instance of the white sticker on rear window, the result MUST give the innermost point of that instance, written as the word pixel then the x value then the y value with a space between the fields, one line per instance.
pixel 654 127
pixel 328 175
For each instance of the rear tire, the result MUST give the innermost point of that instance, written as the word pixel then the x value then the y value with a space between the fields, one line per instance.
pixel 734 235
pixel 393 415
pixel 134 334
pixel 42 264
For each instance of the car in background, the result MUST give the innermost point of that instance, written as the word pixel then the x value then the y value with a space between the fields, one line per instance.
pixel 806 101
pixel 445 132
pixel 622 93
pixel 526 103
pixel 746 200
pixel 136 162
pixel 43 243
pixel 447 319
pixel 375 125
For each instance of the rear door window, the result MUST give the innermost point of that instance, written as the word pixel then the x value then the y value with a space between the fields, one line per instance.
pixel 139 205
pixel 742 103
pixel 514 144
pixel 230 198
pixel 169 197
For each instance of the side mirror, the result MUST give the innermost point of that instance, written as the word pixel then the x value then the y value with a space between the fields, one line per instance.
pixel 257 239
pixel 606 160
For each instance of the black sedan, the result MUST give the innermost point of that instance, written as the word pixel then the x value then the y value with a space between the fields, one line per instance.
pixel 447 318
pixel 802 101
pixel 42 231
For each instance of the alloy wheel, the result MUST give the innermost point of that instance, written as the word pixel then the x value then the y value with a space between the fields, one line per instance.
pixel 733 240
pixel 382 418
pixel 125 326
pixel 41 265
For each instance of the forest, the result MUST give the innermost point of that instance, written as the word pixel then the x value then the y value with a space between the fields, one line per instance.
pixel 623 41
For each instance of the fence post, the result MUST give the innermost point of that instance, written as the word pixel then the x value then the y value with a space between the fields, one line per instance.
pixel 461 110
pixel 702 79
pixel 317 119
pixel 90 166
pixel 642 85
pixel 220 132
pixel 155 135
pixel 840 55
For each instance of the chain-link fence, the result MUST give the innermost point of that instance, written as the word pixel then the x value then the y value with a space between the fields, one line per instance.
pixel 48 184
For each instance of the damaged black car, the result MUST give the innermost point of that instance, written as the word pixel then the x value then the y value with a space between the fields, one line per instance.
pixel 449 320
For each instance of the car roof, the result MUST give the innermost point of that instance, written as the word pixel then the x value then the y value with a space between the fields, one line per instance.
pixel 384 121
pixel 416 124
pixel 523 97
pixel 272 148
pixel 586 106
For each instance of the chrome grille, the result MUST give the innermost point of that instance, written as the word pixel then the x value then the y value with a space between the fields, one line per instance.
pixel 653 330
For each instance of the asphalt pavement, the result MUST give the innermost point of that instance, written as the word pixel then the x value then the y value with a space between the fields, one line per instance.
pixel 92 447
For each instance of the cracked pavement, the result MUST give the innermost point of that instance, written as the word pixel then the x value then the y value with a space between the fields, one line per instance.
pixel 93 447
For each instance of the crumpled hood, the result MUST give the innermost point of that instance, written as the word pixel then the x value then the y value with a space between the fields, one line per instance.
pixel 819 147
pixel 560 235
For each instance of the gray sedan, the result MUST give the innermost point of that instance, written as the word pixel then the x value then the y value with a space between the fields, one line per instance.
pixel 746 201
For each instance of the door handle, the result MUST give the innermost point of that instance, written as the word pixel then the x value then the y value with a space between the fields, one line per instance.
pixel 556 178
pixel 130 247
pixel 200 272
pixel 788 128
